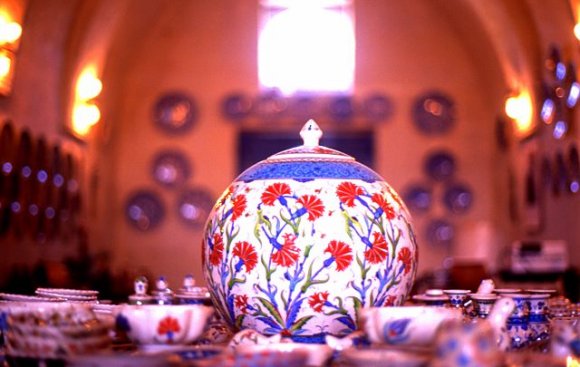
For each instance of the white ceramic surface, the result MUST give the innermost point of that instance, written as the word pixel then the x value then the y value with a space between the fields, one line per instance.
pixel 381 356
pixel 405 325
pixel 317 354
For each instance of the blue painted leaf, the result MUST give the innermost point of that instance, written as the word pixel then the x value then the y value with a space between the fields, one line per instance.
pixel 346 320
pixel 269 321
pixel 297 326
pixel 293 311
pixel 396 331
pixel 272 309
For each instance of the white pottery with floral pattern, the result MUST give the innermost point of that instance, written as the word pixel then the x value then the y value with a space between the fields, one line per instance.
pixel 302 240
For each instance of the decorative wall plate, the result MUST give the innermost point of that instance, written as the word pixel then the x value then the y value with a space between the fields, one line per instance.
pixel 560 129
pixel 304 107
pixel 572 86
pixel 440 232
pixel 171 168
pixel 271 105
pixel 434 113
pixel 378 107
pixel 418 197
pixel 236 106
pixel 458 198
pixel 440 165
pixel 144 210
pixel 175 113
pixel 341 108
pixel 194 206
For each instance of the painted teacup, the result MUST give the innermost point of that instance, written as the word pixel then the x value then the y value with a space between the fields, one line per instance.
pixel 405 325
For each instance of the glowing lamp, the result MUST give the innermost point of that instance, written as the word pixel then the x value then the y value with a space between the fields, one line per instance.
pixel 85 116
pixel 88 86
pixel 519 108
pixel 10 32
pixel 86 113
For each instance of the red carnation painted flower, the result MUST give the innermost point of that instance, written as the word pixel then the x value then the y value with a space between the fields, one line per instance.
pixel 406 257
pixel 274 192
pixel 215 257
pixel 288 253
pixel 341 253
pixel 241 302
pixel 239 206
pixel 313 206
pixel 246 252
pixel 168 325
pixel 385 205
pixel 347 192
pixel 317 300
pixel 379 249
pixel 390 301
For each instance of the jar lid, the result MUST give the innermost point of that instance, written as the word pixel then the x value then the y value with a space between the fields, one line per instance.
pixel 309 161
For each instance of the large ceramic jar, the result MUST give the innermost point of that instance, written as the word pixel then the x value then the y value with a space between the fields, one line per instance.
pixel 302 240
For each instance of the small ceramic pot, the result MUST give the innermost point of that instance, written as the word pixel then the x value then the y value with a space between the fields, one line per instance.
pixel 457 297
pixel 538 317
pixel 518 326
pixel 482 304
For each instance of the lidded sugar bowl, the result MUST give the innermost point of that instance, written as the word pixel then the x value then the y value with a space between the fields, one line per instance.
pixel 303 239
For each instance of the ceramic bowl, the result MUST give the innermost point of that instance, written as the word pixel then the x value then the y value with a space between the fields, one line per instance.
pixel 155 326
pixel 405 325
pixel 53 329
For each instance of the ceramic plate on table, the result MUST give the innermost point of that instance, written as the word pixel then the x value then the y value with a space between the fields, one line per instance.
pixel 144 210
pixel 171 168
pixel 68 292
pixel 26 298
pixel 175 113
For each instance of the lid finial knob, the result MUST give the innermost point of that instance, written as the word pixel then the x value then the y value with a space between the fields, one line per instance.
pixel 311 133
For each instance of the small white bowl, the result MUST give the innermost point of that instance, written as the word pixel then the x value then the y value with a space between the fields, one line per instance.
pixel 405 325
pixel 155 326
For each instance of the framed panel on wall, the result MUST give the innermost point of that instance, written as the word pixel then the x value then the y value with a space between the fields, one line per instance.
pixel 257 145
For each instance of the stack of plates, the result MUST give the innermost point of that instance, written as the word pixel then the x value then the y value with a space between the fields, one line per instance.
pixel 73 295
pixel 14 297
